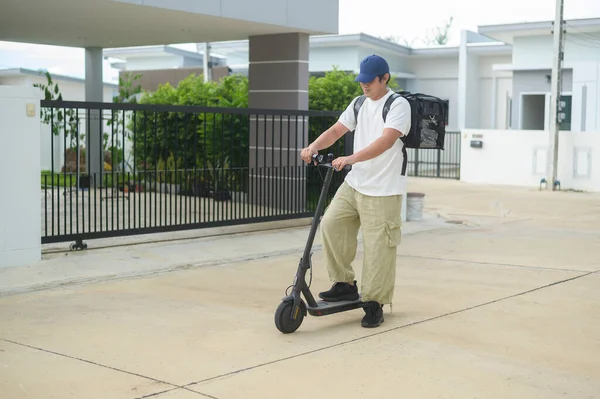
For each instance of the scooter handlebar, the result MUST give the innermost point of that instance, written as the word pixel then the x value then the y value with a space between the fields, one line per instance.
pixel 325 160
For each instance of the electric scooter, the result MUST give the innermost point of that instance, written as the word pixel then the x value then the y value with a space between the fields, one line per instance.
pixel 290 313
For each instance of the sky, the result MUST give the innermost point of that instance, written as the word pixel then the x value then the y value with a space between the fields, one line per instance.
pixel 409 20
pixel 417 19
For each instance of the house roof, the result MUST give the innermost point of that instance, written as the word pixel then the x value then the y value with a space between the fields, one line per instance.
pixel 372 41
pixel 362 39
pixel 8 72
pixel 507 32
pixel 240 47
pixel 473 48
pixel 156 51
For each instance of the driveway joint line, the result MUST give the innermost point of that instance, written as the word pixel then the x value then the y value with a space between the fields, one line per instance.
pixel 175 386
pixel 156 394
pixel 478 262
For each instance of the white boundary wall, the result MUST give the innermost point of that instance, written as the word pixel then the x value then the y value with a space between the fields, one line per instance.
pixel 20 240
pixel 518 157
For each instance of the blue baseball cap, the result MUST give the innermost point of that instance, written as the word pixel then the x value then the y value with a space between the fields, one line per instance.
pixel 371 67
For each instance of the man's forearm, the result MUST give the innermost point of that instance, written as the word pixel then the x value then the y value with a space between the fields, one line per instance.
pixel 327 138
pixel 375 149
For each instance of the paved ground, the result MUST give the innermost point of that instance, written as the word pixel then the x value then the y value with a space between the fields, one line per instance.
pixel 497 297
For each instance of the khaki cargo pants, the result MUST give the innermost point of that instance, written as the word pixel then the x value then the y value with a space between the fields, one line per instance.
pixel 380 220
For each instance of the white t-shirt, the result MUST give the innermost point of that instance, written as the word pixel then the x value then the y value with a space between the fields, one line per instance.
pixel 382 175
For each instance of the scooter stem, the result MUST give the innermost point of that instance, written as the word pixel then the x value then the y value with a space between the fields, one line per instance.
pixel 317 218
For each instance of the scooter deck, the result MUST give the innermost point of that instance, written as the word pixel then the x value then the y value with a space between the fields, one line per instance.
pixel 325 308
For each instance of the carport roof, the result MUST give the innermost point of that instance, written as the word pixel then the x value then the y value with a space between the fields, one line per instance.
pixel 125 23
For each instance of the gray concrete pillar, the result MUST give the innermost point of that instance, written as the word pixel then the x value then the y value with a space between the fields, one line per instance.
pixel 94 93
pixel 278 79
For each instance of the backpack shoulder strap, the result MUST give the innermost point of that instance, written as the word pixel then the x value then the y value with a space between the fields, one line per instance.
pixel 388 104
pixel 357 104
pixel 386 109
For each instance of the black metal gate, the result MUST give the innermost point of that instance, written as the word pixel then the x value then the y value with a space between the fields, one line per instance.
pixel 437 163
pixel 117 169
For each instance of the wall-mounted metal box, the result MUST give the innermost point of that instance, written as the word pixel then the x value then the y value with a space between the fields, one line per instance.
pixel 476 144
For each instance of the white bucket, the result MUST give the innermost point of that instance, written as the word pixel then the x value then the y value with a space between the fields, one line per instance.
pixel 414 206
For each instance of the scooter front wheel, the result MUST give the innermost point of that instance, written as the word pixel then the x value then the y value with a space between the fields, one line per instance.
pixel 283 320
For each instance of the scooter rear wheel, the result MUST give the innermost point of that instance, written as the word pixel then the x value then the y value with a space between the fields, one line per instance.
pixel 284 322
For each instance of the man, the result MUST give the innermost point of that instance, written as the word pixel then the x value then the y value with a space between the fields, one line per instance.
pixel 370 197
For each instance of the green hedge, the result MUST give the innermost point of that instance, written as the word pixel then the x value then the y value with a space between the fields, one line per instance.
pixel 185 140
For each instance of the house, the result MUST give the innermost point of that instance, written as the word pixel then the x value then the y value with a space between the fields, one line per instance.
pixel 159 57
pixel 531 70
pixel 521 154
pixel 163 64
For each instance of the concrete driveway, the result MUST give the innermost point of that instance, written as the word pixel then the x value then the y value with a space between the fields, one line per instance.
pixel 496 297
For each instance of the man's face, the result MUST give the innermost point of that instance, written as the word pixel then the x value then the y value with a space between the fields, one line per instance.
pixel 374 87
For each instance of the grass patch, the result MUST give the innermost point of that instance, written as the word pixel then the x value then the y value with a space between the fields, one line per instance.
pixel 70 179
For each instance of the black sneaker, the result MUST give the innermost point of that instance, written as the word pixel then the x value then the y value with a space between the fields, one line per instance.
pixel 373 314
pixel 340 292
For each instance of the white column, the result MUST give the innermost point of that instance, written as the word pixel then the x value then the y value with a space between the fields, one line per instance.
pixel 462 81
pixel 94 93
pixel 494 100
pixel 206 64
pixel 593 104
pixel 469 104
pixel 20 212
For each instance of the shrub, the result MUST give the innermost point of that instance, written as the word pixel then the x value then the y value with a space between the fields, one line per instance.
pixel 194 139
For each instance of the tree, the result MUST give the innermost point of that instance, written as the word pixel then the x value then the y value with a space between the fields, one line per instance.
pixel 114 141
pixel 331 92
pixel 335 90
pixel 399 40
pixel 65 120
pixel 127 90
pixel 441 34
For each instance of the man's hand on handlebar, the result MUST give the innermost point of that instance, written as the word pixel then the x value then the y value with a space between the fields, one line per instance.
pixel 307 154
pixel 311 156
pixel 341 162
